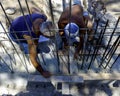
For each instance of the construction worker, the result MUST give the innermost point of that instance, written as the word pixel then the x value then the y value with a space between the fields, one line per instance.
pixel 26 29
pixel 70 25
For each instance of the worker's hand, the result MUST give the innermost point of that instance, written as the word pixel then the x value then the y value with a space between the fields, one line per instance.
pixel 46 74
pixel 61 33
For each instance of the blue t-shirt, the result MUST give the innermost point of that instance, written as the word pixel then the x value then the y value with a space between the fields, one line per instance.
pixel 19 27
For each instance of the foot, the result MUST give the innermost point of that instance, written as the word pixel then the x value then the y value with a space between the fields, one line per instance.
pixel 46 74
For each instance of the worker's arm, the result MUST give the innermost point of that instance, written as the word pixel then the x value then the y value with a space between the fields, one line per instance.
pixel 63 20
pixel 61 25
pixel 80 44
pixel 33 56
pixel 89 25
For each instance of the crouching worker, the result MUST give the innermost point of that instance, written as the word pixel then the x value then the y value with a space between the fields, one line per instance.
pixel 71 26
pixel 28 29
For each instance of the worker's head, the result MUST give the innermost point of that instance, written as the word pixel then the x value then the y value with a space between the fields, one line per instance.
pixel 72 30
pixel 47 28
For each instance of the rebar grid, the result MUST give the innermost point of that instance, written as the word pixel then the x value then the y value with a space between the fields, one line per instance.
pixel 85 55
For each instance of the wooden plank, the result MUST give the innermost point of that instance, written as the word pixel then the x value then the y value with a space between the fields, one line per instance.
pixel 64 79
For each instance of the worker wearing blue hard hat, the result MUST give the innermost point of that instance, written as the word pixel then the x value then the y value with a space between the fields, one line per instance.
pixel 72 24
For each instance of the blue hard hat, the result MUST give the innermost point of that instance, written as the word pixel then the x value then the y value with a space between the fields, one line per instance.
pixel 71 29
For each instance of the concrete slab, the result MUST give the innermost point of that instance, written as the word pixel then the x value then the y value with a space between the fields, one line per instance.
pixel 63 79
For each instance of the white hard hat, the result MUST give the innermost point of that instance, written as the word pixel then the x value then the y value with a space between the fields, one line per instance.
pixel 47 28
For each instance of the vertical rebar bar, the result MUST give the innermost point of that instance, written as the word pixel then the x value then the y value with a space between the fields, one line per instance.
pixel 63 4
pixel 25 18
pixel 89 52
pixel 70 8
pixel 84 50
pixel 34 30
pixel 96 47
pixel 52 17
pixel 93 54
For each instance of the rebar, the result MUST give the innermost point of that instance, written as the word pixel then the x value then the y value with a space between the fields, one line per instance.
pixel 115 61
pixel 105 53
pixel 52 17
pixel 97 23
pixel 113 51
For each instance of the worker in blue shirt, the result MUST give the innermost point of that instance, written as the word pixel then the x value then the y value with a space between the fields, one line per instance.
pixel 26 29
